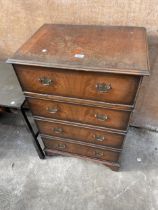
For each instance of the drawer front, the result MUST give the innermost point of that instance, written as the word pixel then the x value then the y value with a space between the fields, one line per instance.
pixel 81 134
pixel 106 87
pixel 83 114
pixel 80 150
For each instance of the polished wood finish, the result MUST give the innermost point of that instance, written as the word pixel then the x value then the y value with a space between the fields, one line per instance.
pixel 73 141
pixel 81 134
pixel 77 124
pixel 77 113
pixel 3 109
pixel 112 165
pixel 92 48
pixel 79 84
pixel 85 102
pixel 72 148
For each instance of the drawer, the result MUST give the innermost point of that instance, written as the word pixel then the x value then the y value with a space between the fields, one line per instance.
pixel 106 87
pixel 84 114
pixel 81 150
pixel 80 133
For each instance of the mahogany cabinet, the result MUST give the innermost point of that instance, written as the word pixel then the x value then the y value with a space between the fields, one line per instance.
pixel 81 84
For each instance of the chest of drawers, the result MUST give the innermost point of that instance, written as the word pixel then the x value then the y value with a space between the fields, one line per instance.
pixel 81 84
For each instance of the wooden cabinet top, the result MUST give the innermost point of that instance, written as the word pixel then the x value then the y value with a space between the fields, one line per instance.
pixel 91 48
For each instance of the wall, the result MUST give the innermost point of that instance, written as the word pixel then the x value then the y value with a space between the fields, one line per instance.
pixel 21 18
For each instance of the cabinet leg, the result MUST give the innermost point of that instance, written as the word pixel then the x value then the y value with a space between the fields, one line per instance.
pixel 113 167
pixel 51 153
pixel 35 140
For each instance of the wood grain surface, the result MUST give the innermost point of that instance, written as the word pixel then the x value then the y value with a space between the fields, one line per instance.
pixel 79 84
pixel 80 133
pixel 114 49
pixel 81 150
pixel 113 165
pixel 109 118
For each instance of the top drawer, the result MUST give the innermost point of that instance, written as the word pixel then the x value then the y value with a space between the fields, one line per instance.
pixel 106 87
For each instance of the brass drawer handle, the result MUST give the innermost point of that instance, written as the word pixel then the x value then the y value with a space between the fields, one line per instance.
pixel 58 130
pixel 61 146
pixel 99 153
pixel 45 81
pixel 99 138
pixel 103 87
pixel 101 117
pixel 52 110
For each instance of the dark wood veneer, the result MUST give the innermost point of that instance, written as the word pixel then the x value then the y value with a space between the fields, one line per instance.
pixel 88 151
pixel 112 165
pixel 114 49
pixel 81 83
pixel 78 113
pixel 81 134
